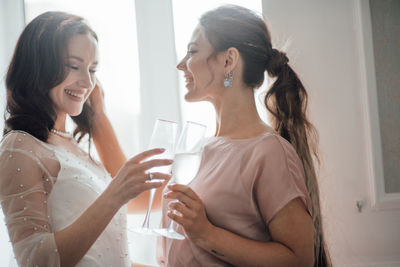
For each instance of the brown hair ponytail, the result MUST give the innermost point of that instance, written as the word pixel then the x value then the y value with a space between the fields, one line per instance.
pixel 286 100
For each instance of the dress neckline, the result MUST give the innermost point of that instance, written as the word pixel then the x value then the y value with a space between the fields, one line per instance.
pixel 55 147
pixel 239 140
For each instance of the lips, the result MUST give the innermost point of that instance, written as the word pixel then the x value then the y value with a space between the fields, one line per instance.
pixel 75 94
pixel 189 78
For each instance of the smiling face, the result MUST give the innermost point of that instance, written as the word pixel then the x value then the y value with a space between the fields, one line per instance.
pixel 69 96
pixel 204 72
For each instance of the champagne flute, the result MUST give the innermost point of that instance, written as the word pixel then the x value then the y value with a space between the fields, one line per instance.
pixel 186 164
pixel 163 136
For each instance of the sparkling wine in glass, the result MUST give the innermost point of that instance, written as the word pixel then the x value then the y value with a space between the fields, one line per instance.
pixel 163 136
pixel 186 164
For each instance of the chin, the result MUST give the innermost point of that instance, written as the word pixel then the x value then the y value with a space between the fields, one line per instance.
pixel 191 98
pixel 75 113
pixel 196 96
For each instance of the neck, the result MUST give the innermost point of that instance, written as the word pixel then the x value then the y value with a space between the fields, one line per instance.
pixel 59 127
pixel 237 115
pixel 59 124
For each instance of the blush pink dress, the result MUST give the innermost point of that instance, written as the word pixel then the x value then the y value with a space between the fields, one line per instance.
pixel 243 183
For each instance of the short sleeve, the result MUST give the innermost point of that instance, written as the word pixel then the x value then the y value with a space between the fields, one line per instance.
pixel 24 185
pixel 279 177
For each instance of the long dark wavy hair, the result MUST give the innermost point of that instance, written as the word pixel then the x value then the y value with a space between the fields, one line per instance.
pixel 234 26
pixel 37 66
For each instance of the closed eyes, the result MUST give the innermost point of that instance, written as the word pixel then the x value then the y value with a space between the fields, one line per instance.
pixel 191 52
pixel 74 67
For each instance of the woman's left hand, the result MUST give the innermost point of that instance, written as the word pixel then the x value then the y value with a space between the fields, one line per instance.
pixel 193 217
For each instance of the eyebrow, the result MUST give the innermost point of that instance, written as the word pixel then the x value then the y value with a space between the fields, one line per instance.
pixel 191 43
pixel 81 60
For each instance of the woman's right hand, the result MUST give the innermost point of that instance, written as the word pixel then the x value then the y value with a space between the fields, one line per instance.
pixel 132 179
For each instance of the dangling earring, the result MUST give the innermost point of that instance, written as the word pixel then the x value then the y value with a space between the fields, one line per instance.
pixel 228 79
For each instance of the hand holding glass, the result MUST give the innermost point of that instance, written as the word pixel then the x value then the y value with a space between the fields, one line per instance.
pixel 163 136
pixel 186 163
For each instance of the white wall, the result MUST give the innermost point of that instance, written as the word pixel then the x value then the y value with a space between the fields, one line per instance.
pixel 326 51
pixel 11 24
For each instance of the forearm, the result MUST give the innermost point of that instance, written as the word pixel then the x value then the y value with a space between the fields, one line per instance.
pixel 240 251
pixel 75 240
pixel 107 145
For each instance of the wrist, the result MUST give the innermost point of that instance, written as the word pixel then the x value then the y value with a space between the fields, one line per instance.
pixel 99 118
pixel 113 200
pixel 209 238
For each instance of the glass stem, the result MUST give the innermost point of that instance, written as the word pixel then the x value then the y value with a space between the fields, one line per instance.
pixel 171 226
pixel 147 218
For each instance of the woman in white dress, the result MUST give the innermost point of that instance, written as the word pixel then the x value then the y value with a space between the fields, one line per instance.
pixel 61 207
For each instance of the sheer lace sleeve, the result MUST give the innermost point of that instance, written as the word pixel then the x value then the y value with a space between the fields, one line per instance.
pixel 25 182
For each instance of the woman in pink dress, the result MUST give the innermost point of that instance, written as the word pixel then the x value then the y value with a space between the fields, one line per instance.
pixel 255 200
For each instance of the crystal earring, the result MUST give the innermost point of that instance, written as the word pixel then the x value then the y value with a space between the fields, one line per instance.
pixel 228 79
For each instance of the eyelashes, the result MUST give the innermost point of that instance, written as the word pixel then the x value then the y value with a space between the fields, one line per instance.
pixel 74 67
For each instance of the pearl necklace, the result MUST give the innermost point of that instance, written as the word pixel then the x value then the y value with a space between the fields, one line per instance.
pixel 62 133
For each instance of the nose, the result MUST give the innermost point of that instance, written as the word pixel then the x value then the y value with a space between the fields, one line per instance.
pixel 182 64
pixel 86 80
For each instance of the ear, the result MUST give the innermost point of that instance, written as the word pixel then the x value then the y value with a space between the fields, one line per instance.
pixel 231 59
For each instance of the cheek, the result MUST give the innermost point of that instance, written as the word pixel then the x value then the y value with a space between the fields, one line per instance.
pixel 194 66
pixel 88 94
pixel 189 65
pixel 54 93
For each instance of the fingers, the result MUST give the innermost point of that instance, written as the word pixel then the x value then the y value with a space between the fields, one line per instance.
pixel 144 166
pixel 178 219
pixel 159 176
pixel 154 177
pixel 135 180
pixel 141 183
pixel 189 202
pixel 186 190
pixel 146 154
pixel 182 209
pixel 149 185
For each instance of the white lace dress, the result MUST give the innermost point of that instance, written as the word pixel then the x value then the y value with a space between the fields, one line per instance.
pixel 45 188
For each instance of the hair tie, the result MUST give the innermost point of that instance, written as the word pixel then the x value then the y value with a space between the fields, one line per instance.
pixel 276 61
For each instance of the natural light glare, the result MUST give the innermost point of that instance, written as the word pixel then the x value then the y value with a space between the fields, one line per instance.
pixel 186 15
